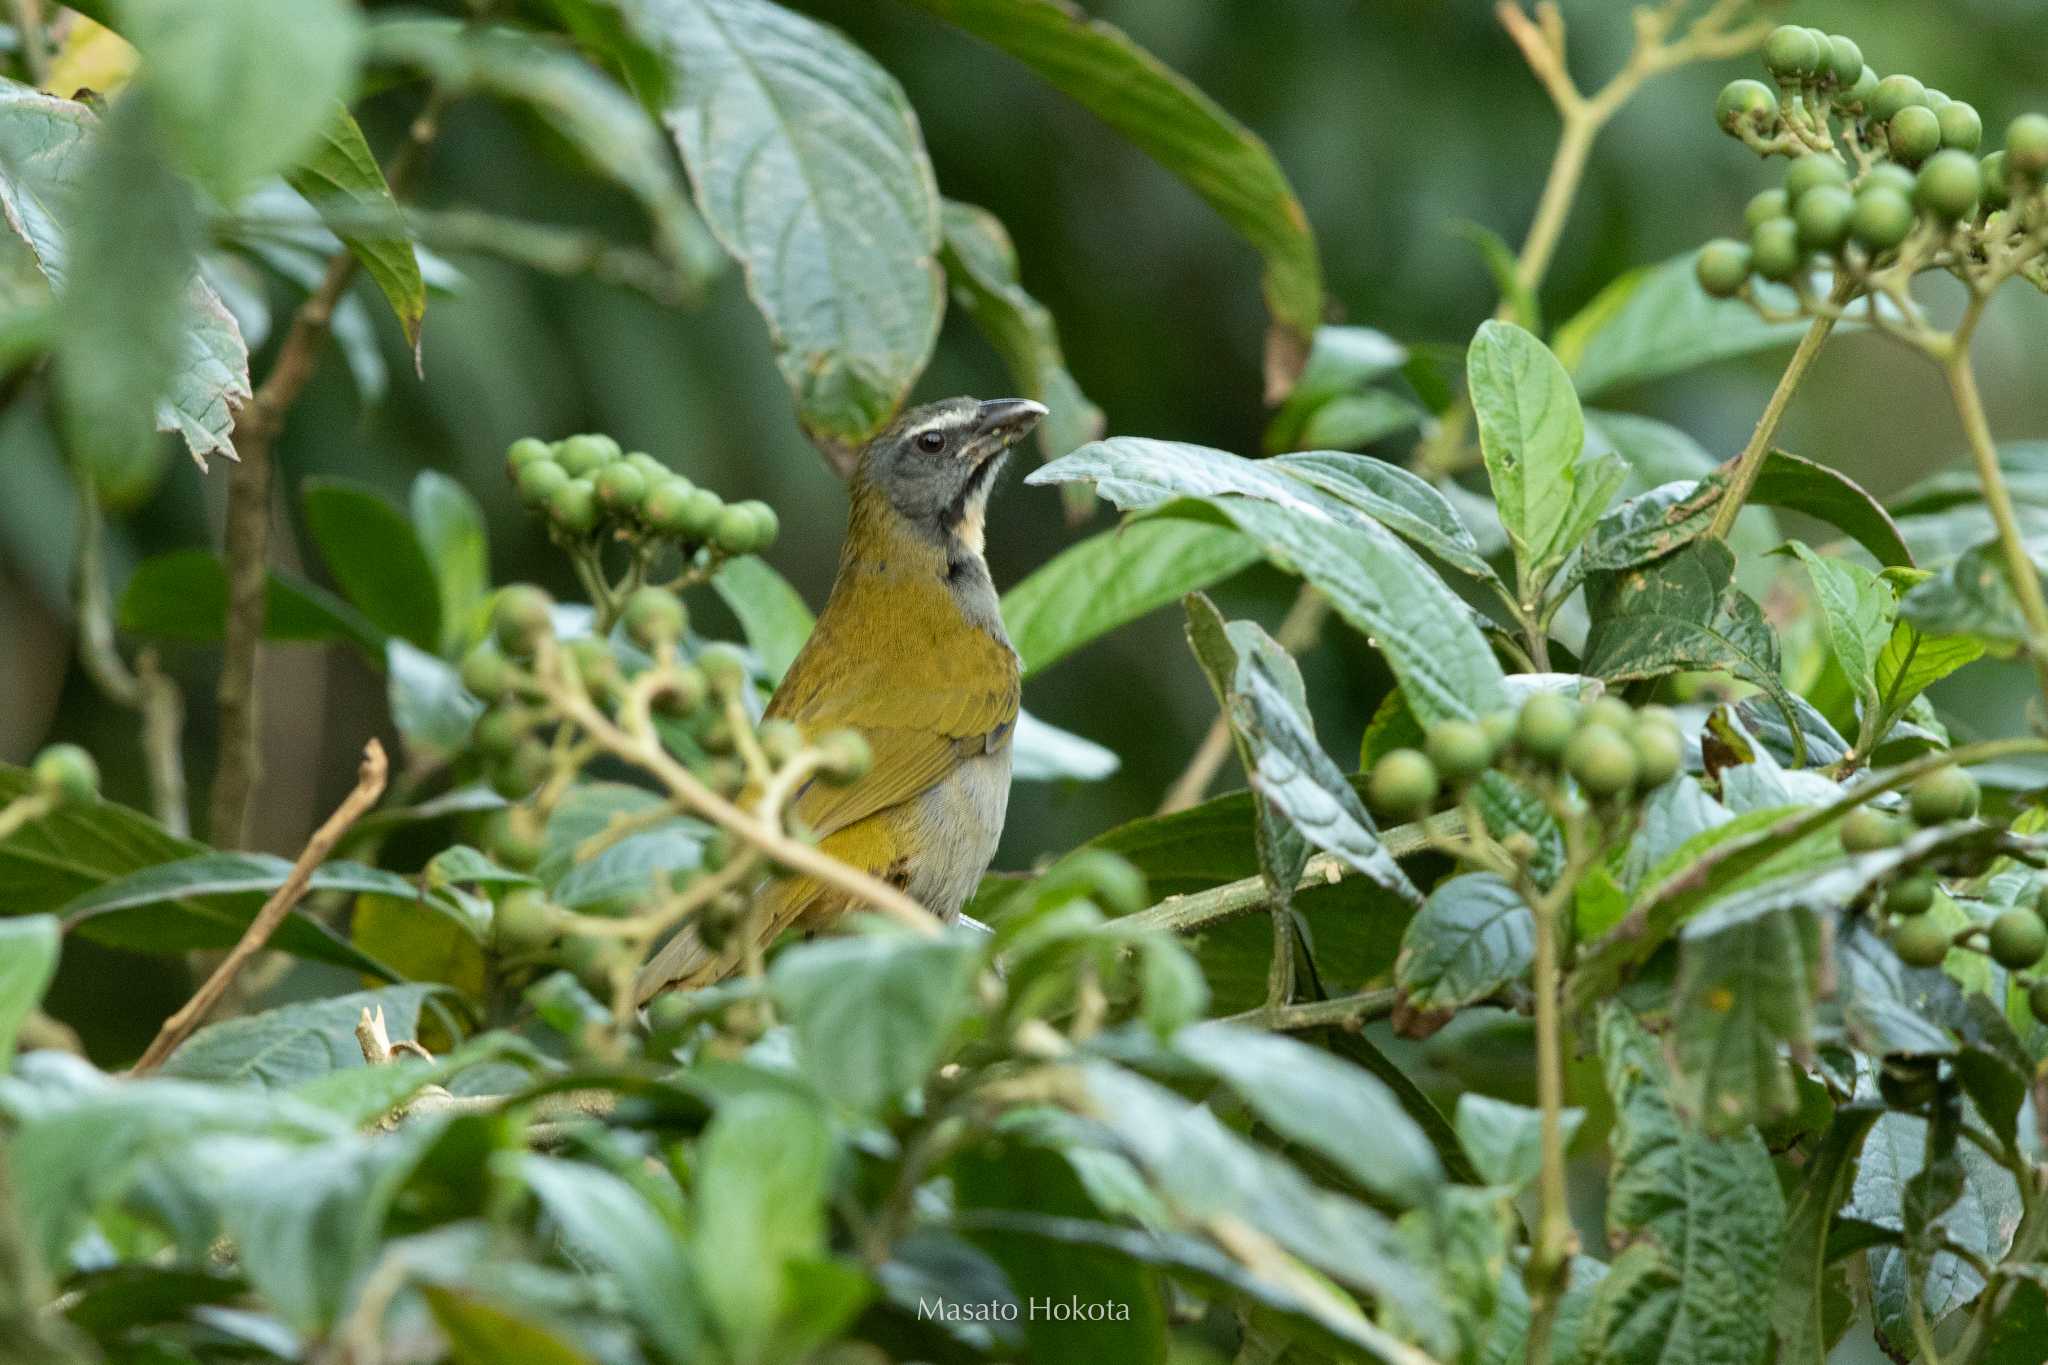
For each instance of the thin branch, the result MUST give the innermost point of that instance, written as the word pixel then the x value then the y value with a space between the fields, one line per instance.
pixel 369 787
pixel 1745 467
pixel 1345 1011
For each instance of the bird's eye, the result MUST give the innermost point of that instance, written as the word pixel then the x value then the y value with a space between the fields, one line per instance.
pixel 931 442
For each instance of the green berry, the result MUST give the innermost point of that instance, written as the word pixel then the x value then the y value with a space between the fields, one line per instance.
pixel 2026 144
pixel 519 772
pixel 1792 53
pixel 573 507
pixel 654 617
pixel 538 481
pixel 699 513
pixel 620 487
pixel 767 526
pixel 1910 895
pixel 1881 219
pixel 525 921
pixel 1746 104
pixel 1948 186
pixel 521 617
pixel 1499 729
pixel 1857 95
pixel 651 469
pixel 1962 127
pixel 1545 725
pixel 593 958
pixel 662 505
pixel 1844 60
pixel 1459 749
pixel 1943 795
pixel 1722 267
pixel 1601 760
pixel 1774 249
pixel 1766 204
pixel 500 730
pixel 1822 217
pixel 1403 785
pixel 1894 93
pixel 486 672
pixel 780 741
pixel 686 690
pixel 733 532
pixel 1914 134
pixel 1920 941
pixel 582 455
pixel 846 756
pixel 1891 174
pixel 1936 100
pixel 1660 752
pixel 66 772
pixel 1995 182
pixel 1867 830
pixel 2018 938
pixel 668 1014
pixel 512 837
pixel 724 667
pixel 525 451
pixel 595 664
pixel 1610 711
pixel 1812 171
pixel 2037 1001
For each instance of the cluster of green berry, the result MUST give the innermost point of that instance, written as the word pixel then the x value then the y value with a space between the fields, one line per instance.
pixel 2016 938
pixel 586 485
pixel 1915 152
pixel 1611 749
pixel 65 772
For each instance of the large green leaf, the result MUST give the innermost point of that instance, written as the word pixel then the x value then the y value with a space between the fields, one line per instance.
pixel 771 612
pixel 28 959
pixel 432 712
pixel 1702 1218
pixel 208 875
pixel 1796 1311
pixel 1404 503
pixel 341 179
pixel 809 167
pixel 981 271
pixel 1533 438
pixel 1657 321
pixel 481 1333
pixel 1856 609
pixel 1372 579
pixel 1817 490
pixel 1114 577
pixel 1911 662
pixel 281 1048
pixel 376 558
pixel 1973 596
pixel 1745 993
pixel 1646 527
pixel 1343 364
pixel 183 595
pixel 1473 936
pixel 1182 129
pixel 451 531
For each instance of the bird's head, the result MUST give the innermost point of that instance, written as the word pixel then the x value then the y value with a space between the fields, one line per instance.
pixel 935 464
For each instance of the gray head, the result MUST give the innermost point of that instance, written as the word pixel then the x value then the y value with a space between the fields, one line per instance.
pixel 935 464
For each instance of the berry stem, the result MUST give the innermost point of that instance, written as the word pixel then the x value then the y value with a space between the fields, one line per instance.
pixel 1744 468
pixel 2019 565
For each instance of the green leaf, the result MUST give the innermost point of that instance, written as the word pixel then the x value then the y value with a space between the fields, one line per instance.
pixel 1533 438
pixel 981 271
pixel 2023 463
pixel 841 256
pixel 1353 421
pixel 1114 577
pixel 1745 992
pixel 1342 363
pixel 866 1047
pixel 1702 1217
pixel 244 86
pixel 1656 321
pixel 28 960
pixel 1404 503
pixel 183 595
pixel 1472 937
pixel 451 531
pixel 481 1333
pixel 1796 1311
pixel 1167 118
pixel 340 177
pixel 281 1048
pixel 433 713
pixel 761 1189
pixel 1646 527
pixel 1040 752
pixel 1308 1096
pixel 1816 490
pixel 1505 1140
pixel 770 611
pixel 1912 662
pixel 1856 614
pixel 376 558
pixel 202 877
pixel 1972 597
pixel 1375 582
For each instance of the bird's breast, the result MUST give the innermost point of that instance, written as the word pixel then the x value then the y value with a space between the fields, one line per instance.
pixel 957 824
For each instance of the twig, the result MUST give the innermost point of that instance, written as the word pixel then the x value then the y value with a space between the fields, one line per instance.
pixel 369 786
pixel 1345 1011
pixel 1744 468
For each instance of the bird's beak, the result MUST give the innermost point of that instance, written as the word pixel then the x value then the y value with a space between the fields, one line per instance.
pixel 1001 421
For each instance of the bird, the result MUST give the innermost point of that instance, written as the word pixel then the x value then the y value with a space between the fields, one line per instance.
pixel 909 651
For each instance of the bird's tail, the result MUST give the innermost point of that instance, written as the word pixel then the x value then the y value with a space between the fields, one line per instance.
pixel 686 962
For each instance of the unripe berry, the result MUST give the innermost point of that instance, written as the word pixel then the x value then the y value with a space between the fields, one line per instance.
pixel 486 672
pixel 1910 895
pixel 1936 100
pixel 523 452
pixel 1822 217
pixel 780 740
pixel 1995 181
pixel 1601 761
pixel 668 1014
pixel 500 730
pixel 1948 185
pixel 733 532
pixel 651 469
pixel 521 619
pixel 1660 753
pixel 1962 127
pixel 573 507
pixel 1920 941
pixel 1943 795
pixel 620 487
pixel 1844 60
pixel 1459 749
pixel 1545 725
pixel 846 756
pixel 538 481
pixel 525 921
pixel 1913 135
pixel 1722 267
pixel 661 507
pixel 1881 220
pixel 512 835
pixel 2018 938
pixel 699 513
pixel 1891 174
pixel 1894 93
pixel 1812 171
pixel 1774 249
pixel 1499 729
pixel 2026 144
pixel 595 664
pixel 593 958
pixel 767 526
pixel 1791 53
pixel 685 692
pixel 1867 830
pixel 1766 204
pixel 67 773
pixel 1857 96
pixel 724 667
pixel 1610 711
pixel 1746 104
pixel 654 617
pixel 518 773
pixel 1403 785
pixel 582 455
